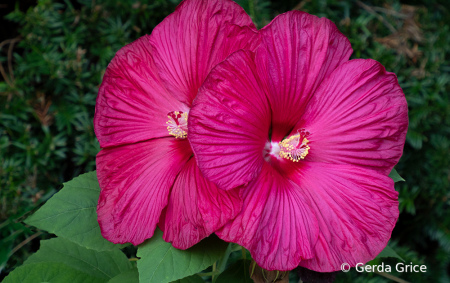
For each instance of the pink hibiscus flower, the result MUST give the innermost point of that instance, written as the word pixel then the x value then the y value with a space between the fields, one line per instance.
pixel 146 169
pixel 310 137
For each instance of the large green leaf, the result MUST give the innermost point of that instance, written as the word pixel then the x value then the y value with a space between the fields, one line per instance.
pixel 49 272
pixel 389 252
pixel 103 265
pixel 236 273
pixel 71 213
pixel 395 176
pixel 130 276
pixel 161 263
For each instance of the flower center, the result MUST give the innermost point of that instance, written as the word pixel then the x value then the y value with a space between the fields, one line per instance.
pixel 296 146
pixel 177 124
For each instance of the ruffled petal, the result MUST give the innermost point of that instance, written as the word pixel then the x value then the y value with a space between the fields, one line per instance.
pixel 135 182
pixel 356 209
pixel 197 208
pixel 297 52
pixel 358 116
pixel 229 123
pixel 194 38
pixel 276 223
pixel 132 104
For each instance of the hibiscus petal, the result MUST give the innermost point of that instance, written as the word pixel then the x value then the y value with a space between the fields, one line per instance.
pixel 197 208
pixel 356 209
pixel 132 104
pixel 229 123
pixel 297 52
pixel 276 224
pixel 135 181
pixel 197 36
pixel 358 116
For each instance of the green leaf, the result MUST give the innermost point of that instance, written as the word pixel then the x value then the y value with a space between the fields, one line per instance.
pixel 236 273
pixel 130 276
pixel 4 255
pixel 389 252
pixel 395 176
pixel 160 262
pixel 103 265
pixel 190 279
pixel 49 272
pixel 71 213
pixel 3 86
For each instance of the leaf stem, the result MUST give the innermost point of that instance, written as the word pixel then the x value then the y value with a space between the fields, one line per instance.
pixel 214 269
pixel 26 241
pixel 392 277
pixel 207 274
pixel 223 261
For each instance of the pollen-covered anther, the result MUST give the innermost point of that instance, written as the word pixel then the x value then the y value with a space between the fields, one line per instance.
pixel 295 147
pixel 177 124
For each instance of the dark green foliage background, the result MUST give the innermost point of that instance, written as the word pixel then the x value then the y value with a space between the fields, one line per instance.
pixel 47 107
